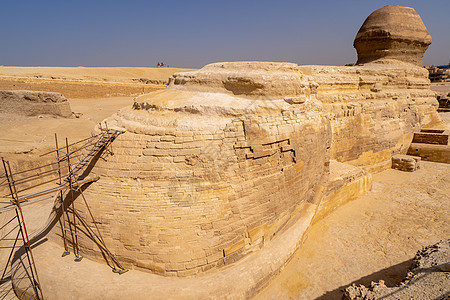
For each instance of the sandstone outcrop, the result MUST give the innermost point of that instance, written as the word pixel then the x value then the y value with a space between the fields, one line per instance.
pixel 34 103
pixel 392 32
pixel 229 157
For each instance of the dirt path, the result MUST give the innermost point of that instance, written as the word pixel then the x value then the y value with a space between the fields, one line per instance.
pixel 371 238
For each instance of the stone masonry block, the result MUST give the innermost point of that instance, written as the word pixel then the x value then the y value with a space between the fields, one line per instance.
pixel 405 163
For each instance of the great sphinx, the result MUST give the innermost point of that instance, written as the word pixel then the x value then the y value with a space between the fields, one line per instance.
pixel 228 157
pixel 227 168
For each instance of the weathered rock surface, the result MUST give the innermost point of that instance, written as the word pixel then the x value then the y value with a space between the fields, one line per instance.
pixel 373 109
pixel 250 80
pixel 202 178
pixel 34 103
pixel 429 278
pixel 392 32
pixel 209 171
pixel 345 183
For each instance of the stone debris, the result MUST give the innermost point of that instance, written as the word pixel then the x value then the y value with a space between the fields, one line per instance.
pixel 429 278
pixel 405 163
pixel 34 103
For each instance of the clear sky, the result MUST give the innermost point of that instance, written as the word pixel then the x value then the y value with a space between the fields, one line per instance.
pixel 190 33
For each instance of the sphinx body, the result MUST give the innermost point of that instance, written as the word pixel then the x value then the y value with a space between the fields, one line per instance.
pixel 228 157
pixel 204 175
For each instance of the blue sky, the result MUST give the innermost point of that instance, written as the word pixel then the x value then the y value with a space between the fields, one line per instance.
pixel 194 33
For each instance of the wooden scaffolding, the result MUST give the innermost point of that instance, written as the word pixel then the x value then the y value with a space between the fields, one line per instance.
pixel 62 180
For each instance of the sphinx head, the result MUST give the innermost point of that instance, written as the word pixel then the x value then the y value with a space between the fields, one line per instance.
pixel 392 32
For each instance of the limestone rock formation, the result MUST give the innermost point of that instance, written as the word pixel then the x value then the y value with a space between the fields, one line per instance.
pixel 250 80
pixel 34 103
pixel 229 157
pixel 405 163
pixel 218 164
pixel 202 177
pixel 392 32
pixel 373 109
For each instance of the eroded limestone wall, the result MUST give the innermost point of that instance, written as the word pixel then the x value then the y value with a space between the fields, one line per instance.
pixel 185 193
pixel 201 178
pixel 374 109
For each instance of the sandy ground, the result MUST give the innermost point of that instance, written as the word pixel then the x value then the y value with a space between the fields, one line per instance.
pixel 35 216
pixel 75 89
pixel 111 74
pixel 429 278
pixel 371 238
pixel 27 134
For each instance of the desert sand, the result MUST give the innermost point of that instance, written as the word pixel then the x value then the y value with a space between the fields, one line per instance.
pixel 371 238
pixel 441 88
pixel 93 74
